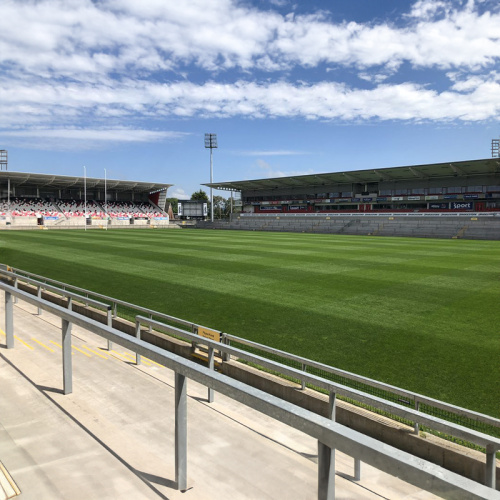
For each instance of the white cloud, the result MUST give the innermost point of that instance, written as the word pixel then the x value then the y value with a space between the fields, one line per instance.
pixel 83 39
pixel 271 172
pixel 80 138
pixel 179 193
pixel 67 62
pixel 271 153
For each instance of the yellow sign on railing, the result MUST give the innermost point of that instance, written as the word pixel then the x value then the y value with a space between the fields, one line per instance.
pixel 209 334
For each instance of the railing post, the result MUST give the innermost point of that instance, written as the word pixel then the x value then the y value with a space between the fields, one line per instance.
pixel 115 310
pixel 490 476
pixel 137 336
pixel 150 329
pixel 70 303
pixel 357 469
pixel 15 286
pixel 226 341
pixel 326 461
pixel 66 357
pixel 110 324
pixel 211 365
pixel 39 295
pixel 304 369
pixel 9 320
pixel 180 431
pixel 417 407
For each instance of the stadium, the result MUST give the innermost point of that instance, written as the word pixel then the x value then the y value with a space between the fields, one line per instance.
pixel 398 334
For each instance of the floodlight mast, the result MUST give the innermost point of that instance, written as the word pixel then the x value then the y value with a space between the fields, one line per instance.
pixel 211 143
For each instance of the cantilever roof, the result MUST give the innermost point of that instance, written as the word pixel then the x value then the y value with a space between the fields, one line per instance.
pixel 66 181
pixel 412 172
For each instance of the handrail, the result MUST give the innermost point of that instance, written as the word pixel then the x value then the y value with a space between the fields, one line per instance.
pixel 371 214
pixel 419 398
pixel 408 413
pixel 480 417
pixel 386 458
pixel 107 297
pixel 55 289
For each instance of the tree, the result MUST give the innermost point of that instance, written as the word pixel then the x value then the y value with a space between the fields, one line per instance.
pixel 174 202
pixel 199 195
pixel 219 207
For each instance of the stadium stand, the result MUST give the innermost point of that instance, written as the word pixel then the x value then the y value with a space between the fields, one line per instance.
pixel 33 207
pixel 466 226
pixel 28 200
pixel 442 200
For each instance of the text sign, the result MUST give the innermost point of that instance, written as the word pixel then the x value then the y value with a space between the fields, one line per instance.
pixel 209 334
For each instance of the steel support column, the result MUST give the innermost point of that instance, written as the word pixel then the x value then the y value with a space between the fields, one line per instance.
pixel 9 320
pixel 326 460
pixel 110 324
pixel 39 295
pixel 66 357
pixel 211 364
pixel 137 336
pixel 180 432
pixel 490 477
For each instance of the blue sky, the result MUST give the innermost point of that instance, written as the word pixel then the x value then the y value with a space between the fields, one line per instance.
pixel 289 87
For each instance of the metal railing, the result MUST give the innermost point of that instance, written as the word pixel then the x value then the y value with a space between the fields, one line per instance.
pixel 467 418
pixel 395 402
pixel 369 214
pixel 330 435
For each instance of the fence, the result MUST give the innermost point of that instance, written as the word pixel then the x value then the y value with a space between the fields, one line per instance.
pixel 412 408
pixel 330 435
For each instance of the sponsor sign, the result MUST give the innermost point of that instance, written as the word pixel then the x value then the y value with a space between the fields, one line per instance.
pixel 432 197
pixel 462 205
pixel 382 198
pixel 471 196
pixel 209 334
pixel 355 199
pixel 271 208
pixel 397 198
pixel 450 196
pixel 340 200
pixel 126 218
pixel 414 198
pixel 298 207
pixel 179 208
pixel 57 218
pixel 160 218
pixel 367 199
pixel 205 209
pixel 439 206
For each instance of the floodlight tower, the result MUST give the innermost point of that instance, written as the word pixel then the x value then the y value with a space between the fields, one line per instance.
pixel 211 143
pixel 3 159
pixel 495 148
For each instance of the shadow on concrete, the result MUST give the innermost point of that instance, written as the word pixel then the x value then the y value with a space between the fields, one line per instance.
pixel 44 388
pixel 147 479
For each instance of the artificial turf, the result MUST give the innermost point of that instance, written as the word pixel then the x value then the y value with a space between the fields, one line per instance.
pixel 421 314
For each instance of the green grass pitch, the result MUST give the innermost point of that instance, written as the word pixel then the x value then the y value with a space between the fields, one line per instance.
pixel 417 313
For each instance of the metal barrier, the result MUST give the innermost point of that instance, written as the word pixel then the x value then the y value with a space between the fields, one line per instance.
pixel 375 394
pixel 330 435
pixel 424 404
pixel 491 444
pixel 367 214
pixel 382 389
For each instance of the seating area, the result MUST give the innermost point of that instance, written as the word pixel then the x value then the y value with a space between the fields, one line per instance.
pixel 464 227
pixel 76 208
pixel 28 207
pixel 129 209
pixel 36 207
